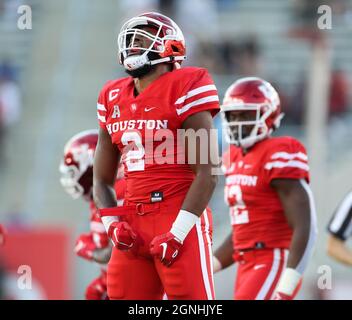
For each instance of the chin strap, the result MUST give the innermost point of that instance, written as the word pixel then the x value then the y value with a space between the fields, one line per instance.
pixel 167 59
pixel 277 122
pixel 136 62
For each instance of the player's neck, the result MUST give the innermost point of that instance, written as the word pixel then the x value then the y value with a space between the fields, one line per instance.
pixel 142 83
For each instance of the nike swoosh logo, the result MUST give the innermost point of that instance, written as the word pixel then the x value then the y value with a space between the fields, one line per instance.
pixel 120 242
pixel 148 109
pixel 259 266
pixel 164 245
pixel 115 233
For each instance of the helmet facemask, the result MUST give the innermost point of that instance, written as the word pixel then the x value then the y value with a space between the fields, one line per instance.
pixel 238 133
pixel 153 53
pixel 77 168
pixel 69 179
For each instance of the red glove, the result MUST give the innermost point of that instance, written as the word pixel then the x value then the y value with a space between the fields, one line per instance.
pixel 2 235
pixel 122 235
pixel 101 240
pixel 97 289
pixel 85 246
pixel 166 248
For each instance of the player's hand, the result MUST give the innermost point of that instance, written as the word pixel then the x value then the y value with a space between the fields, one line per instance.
pixel 2 235
pixel 85 246
pixel 216 264
pixel 122 235
pixel 166 247
pixel 97 289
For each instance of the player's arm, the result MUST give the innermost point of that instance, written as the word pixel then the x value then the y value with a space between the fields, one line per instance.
pixel 106 160
pixel 102 255
pixel 2 235
pixel 298 205
pixel 204 151
pixel 223 256
pixel 337 249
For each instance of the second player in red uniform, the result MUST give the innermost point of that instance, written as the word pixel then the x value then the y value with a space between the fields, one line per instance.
pixel 271 205
pixel 2 235
pixel 76 171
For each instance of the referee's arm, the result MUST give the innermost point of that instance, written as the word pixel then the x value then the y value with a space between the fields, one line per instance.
pixel 340 228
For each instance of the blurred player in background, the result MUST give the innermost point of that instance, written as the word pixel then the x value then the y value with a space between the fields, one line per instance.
pixel 162 236
pixel 2 235
pixel 271 205
pixel 77 179
pixel 340 229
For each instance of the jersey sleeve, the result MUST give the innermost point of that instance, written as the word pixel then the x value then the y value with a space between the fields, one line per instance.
pixel 102 109
pixel 287 160
pixel 200 94
pixel 340 225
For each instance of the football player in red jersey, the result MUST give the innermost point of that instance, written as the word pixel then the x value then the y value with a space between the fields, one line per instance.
pixel 2 235
pixel 271 205
pixel 162 234
pixel 76 171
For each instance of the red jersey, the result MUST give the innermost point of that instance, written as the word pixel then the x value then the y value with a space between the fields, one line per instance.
pixel 145 128
pixel 256 213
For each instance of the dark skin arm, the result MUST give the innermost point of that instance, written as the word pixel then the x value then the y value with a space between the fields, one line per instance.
pixel 106 160
pixel 224 252
pixel 202 187
pixel 102 255
pixel 295 202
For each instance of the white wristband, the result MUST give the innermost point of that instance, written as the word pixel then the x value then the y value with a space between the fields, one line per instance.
pixel 216 264
pixel 107 221
pixel 289 281
pixel 183 224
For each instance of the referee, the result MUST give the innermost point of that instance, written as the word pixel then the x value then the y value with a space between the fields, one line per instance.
pixel 340 229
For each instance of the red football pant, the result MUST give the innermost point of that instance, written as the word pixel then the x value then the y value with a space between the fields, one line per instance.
pixel 258 273
pixel 97 290
pixel 136 275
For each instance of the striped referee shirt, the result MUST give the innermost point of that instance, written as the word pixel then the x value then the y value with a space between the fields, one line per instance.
pixel 340 224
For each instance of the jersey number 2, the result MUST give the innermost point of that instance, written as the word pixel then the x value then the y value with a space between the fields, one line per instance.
pixel 238 212
pixel 134 158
